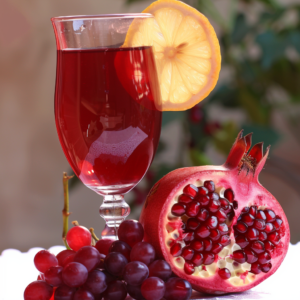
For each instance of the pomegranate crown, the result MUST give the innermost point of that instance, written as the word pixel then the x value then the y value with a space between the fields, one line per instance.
pixel 244 158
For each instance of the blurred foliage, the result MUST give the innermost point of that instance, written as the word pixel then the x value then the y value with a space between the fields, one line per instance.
pixel 260 44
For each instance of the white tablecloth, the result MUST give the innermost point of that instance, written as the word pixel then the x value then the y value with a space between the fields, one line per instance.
pixel 17 271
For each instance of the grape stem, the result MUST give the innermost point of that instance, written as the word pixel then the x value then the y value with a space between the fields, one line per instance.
pixel 75 223
pixel 92 231
pixel 66 210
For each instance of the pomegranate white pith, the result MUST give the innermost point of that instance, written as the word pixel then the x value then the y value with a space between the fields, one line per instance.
pixel 239 173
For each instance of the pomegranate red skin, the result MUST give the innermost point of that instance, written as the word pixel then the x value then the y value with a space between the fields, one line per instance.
pixel 246 187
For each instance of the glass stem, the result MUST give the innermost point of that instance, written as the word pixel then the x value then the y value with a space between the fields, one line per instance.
pixel 113 210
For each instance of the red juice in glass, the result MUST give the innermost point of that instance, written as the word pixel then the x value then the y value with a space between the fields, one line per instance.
pixel 106 114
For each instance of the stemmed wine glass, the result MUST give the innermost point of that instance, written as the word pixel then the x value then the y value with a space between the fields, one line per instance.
pixel 106 107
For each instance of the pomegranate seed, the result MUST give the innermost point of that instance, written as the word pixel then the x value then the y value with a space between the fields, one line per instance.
pixel 269 246
pixel 183 226
pixel 269 228
pixel 245 210
pixel 197 245
pixel 202 190
pixel 203 199
pixel 213 196
pixel 277 223
pixel 229 195
pixel 259 224
pixel 202 232
pixel 189 236
pixel 208 258
pixel 185 199
pixel 216 248
pixel 260 215
pixel 262 236
pixel 255 268
pixel 192 209
pixel 225 205
pixel 223 228
pixel 214 206
pixel 266 267
pixel 264 258
pixel 176 250
pixel 210 185
pixel 189 268
pixel 214 234
pixel 239 256
pixel 207 243
pixel 224 273
pixel 242 241
pixel 270 215
pixel 212 222
pixel 178 209
pixel 203 215
pixel 235 204
pixel 274 238
pixel 197 259
pixel 248 219
pixel 192 224
pixel 251 256
pixel 240 227
pixel 221 215
pixel 187 253
pixel 253 210
pixel 252 234
pixel 190 190
pixel 257 247
pixel 225 240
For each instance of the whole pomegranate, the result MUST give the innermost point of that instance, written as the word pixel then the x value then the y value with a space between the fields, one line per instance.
pixel 217 226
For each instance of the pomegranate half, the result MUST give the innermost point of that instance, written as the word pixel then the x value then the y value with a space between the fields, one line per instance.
pixel 217 226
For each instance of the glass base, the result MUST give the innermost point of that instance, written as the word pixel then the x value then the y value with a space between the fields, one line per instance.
pixel 112 189
pixel 113 210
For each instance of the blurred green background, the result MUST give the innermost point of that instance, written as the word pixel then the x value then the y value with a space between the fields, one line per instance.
pixel 258 90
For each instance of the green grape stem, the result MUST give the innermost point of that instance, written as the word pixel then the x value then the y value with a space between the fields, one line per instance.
pixel 66 211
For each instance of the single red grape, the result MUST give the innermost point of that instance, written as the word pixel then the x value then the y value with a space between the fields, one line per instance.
pixel 115 291
pixel 96 282
pixel 161 269
pixel 82 294
pixel 153 288
pixel 53 276
pixel 74 274
pixel 64 292
pixel 43 260
pixel 38 290
pixel 88 256
pixel 135 292
pixel 64 257
pixel 143 252
pixel 121 247
pixel 103 245
pixel 178 289
pixel 135 273
pixel 78 237
pixel 115 263
pixel 131 232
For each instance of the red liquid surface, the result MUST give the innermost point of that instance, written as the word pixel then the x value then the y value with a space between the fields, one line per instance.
pixel 106 116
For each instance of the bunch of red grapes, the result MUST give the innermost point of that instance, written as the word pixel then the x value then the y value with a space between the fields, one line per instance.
pixel 109 270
